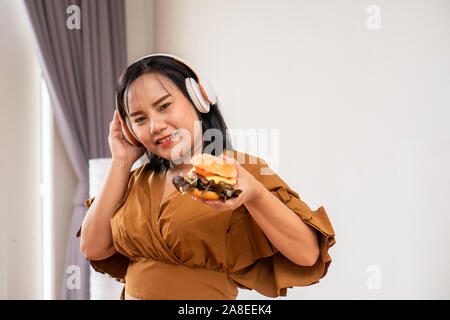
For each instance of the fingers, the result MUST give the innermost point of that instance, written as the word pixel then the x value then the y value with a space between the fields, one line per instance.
pixel 228 159
pixel 115 121
pixel 217 205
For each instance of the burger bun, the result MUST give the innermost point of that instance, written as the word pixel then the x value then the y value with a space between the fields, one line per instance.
pixel 208 195
pixel 214 165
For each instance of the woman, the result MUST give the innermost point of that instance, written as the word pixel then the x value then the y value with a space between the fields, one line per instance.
pixel 166 245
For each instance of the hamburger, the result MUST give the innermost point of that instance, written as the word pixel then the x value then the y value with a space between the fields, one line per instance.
pixel 210 178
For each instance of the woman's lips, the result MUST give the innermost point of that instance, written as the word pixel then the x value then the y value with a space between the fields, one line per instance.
pixel 164 144
pixel 168 142
pixel 168 136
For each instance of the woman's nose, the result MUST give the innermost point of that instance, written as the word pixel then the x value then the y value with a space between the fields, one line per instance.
pixel 156 126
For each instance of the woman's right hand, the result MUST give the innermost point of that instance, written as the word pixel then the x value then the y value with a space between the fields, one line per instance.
pixel 121 149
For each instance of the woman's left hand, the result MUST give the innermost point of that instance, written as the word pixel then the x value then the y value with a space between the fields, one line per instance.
pixel 245 181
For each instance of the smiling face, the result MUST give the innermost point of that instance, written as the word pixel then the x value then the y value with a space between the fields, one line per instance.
pixel 157 108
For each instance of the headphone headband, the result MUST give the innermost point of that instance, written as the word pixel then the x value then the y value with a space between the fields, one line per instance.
pixel 205 87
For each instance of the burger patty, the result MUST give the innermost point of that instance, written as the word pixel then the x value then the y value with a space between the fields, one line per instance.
pixel 203 182
pixel 198 181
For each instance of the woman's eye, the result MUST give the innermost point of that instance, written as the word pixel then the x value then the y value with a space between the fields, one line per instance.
pixel 138 119
pixel 164 105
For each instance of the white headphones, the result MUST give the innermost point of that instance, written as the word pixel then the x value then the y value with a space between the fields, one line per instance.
pixel 201 92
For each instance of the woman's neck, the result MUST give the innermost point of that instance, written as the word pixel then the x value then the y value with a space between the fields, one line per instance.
pixel 179 167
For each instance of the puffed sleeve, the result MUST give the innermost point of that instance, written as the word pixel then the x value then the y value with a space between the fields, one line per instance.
pixel 254 263
pixel 116 265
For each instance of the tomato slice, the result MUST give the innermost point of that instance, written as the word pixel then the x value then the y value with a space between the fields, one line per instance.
pixel 203 172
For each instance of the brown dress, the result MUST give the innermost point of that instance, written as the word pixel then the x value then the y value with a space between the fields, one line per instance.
pixel 183 249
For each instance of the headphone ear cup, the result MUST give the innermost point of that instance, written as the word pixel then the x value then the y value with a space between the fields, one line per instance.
pixel 196 95
pixel 128 134
pixel 208 91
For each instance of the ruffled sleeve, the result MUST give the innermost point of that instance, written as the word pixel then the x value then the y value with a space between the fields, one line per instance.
pixel 254 263
pixel 116 265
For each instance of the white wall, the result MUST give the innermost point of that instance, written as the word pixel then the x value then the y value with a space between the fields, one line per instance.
pixel 20 233
pixel 140 28
pixel 362 116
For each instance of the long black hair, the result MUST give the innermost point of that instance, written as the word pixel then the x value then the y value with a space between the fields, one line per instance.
pixel 176 72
